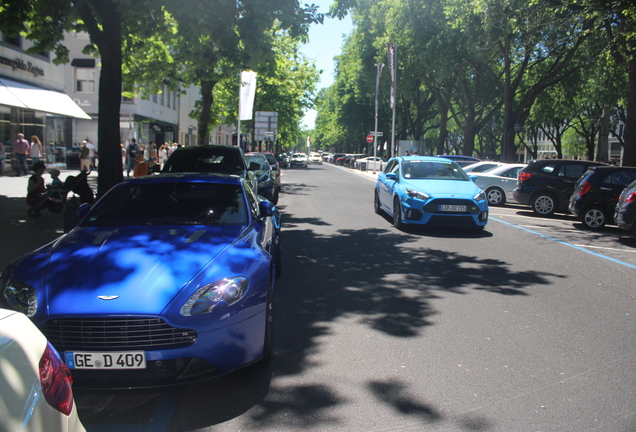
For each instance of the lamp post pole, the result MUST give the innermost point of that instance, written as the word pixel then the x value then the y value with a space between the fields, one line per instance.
pixel 375 128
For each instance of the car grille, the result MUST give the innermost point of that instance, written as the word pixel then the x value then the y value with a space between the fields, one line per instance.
pixel 452 220
pixel 125 333
pixel 433 206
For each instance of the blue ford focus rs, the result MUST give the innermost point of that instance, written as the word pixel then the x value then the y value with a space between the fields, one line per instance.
pixel 166 279
pixel 419 190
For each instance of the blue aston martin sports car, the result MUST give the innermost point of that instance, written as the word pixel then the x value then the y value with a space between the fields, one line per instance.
pixel 166 279
pixel 429 191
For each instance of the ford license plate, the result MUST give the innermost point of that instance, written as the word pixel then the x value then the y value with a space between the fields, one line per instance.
pixel 452 208
pixel 105 360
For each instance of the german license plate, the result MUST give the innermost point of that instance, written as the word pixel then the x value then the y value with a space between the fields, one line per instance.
pixel 105 360
pixel 452 208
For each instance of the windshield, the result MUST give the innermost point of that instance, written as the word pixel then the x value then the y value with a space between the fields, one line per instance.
pixel 263 165
pixel 174 203
pixel 427 170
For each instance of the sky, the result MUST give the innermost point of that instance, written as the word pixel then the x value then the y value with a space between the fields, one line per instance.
pixel 325 42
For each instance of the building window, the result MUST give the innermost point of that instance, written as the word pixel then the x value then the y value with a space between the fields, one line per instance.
pixel 15 41
pixel 85 80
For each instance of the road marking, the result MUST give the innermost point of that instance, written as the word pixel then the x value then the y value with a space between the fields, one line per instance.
pixel 567 244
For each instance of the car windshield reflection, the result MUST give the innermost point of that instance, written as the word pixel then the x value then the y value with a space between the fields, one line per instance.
pixel 426 170
pixel 173 203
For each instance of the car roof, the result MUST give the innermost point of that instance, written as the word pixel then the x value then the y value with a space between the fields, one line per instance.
pixel 185 177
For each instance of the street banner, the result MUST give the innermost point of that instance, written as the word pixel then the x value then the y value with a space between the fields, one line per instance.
pixel 391 52
pixel 246 98
pixel 377 87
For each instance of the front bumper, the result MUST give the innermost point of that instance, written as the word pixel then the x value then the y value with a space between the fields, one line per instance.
pixel 428 213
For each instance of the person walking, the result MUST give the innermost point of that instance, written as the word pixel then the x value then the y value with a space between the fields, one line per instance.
pixel 93 152
pixel 85 157
pixel 36 149
pixel 20 151
pixel 133 152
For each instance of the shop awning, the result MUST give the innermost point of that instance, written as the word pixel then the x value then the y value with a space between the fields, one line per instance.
pixel 27 96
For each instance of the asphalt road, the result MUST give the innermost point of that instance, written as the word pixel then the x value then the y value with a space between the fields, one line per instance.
pixel 527 326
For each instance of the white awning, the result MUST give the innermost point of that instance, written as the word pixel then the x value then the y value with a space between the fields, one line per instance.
pixel 36 98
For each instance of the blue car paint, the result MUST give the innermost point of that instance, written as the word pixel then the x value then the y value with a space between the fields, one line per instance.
pixel 154 269
pixel 391 185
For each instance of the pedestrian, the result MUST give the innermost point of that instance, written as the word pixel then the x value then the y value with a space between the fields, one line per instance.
pixel 36 149
pixel 20 151
pixel 93 153
pixel 407 153
pixel 50 152
pixel 85 157
pixel 3 158
pixel 134 153
pixel 55 178
pixel 36 191
pixel 163 154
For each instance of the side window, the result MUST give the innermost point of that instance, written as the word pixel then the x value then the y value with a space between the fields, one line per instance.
pixel 390 166
pixel 251 199
pixel 621 178
pixel 573 171
pixel 548 169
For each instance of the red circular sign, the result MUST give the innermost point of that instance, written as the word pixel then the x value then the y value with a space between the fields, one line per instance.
pixel 369 138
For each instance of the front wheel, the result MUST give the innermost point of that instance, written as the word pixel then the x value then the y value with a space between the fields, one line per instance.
pixel 397 214
pixel 376 203
pixel 593 218
pixel 544 204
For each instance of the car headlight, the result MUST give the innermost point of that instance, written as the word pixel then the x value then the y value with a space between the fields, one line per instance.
pixel 480 196
pixel 19 296
pixel 206 298
pixel 412 193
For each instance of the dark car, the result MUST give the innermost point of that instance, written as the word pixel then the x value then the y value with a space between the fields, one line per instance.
pixel 625 212
pixel 273 162
pixel 265 175
pixel 283 160
pixel 596 194
pixel 547 185
pixel 211 159
pixel 462 161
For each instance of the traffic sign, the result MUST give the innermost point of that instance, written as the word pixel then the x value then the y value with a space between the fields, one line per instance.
pixel 369 138
pixel 375 133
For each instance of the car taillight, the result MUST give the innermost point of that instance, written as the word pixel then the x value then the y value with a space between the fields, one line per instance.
pixel 631 197
pixel 56 381
pixel 585 188
pixel 523 176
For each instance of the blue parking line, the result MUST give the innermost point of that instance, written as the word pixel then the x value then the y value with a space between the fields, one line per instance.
pixel 567 244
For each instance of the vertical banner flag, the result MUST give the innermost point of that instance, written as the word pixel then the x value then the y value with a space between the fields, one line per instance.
pixel 246 98
pixel 392 69
pixel 377 87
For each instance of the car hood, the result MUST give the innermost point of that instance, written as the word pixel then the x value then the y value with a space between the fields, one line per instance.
pixel 142 268
pixel 444 188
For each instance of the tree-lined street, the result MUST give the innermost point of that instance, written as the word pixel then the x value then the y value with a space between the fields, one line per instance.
pixel 527 326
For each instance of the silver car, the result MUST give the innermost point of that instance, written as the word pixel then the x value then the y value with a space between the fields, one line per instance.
pixel 498 183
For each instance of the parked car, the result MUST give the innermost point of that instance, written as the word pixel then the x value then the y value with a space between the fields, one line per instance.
pixel 298 160
pixel 211 159
pixel 166 279
pixel 498 183
pixel 370 163
pixel 276 167
pixel 625 212
pixel 483 166
pixel 596 193
pixel 461 160
pixel 36 386
pixel 350 160
pixel 429 191
pixel 334 157
pixel 265 175
pixel 314 158
pixel 283 160
pixel 546 185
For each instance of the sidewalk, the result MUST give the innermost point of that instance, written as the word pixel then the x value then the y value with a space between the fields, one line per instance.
pixel 20 233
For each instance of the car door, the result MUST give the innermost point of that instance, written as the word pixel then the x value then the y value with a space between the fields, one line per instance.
pixel 508 180
pixel 386 185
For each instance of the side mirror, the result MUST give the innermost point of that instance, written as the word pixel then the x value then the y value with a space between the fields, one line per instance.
pixel 83 210
pixel 473 177
pixel 391 176
pixel 266 208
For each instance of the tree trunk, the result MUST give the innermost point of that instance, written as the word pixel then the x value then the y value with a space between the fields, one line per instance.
pixel 109 41
pixel 207 87
pixel 629 147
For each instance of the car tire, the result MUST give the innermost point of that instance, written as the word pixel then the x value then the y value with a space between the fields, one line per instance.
pixel 397 214
pixel 544 204
pixel 495 196
pixel 376 203
pixel 593 218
